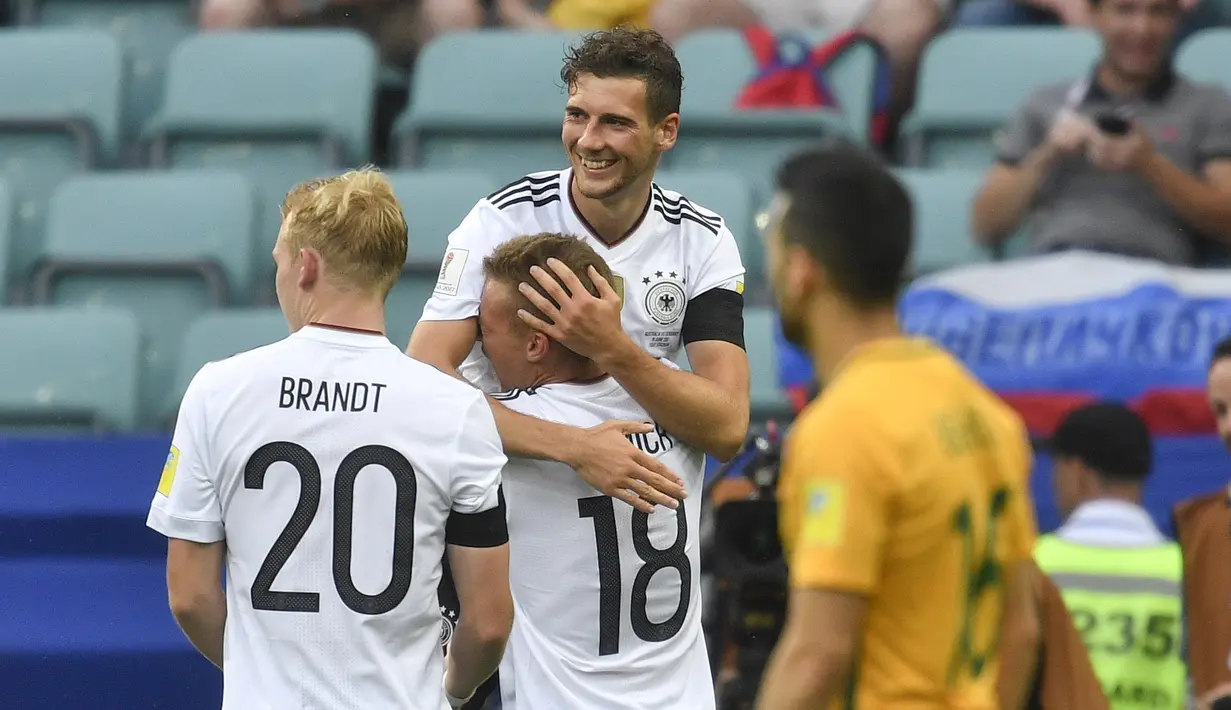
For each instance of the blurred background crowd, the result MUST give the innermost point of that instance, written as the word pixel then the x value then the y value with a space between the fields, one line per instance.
pixel 1070 162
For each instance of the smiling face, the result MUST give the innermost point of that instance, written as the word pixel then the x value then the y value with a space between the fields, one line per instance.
pixel 610 139
pixel 1136 35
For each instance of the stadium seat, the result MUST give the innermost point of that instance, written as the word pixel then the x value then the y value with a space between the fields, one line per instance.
pixel 6 245
pixel 217 335
pixel 166 246
pixel 729 195
pixel 972 80
pixel 68 368
pixel 434 203
pixel 1203 57
pixel 503 117
pixel 766 397
pixel 60 113
pixel 717 65
pixel 942 200
pixel 280 106
pixel 146 29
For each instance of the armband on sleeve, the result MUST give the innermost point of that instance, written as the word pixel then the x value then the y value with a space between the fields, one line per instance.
pixel 717 314
pixel 488 528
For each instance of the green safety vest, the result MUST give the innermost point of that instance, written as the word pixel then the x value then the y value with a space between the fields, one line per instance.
pixel 1126 604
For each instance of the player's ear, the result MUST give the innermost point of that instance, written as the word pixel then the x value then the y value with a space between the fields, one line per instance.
pixel 537 346
pixel 309 267
pixel 668 131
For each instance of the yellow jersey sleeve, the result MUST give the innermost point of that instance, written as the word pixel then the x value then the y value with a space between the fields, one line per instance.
pixel 1020 508
pixel 834 503
pixel 599 14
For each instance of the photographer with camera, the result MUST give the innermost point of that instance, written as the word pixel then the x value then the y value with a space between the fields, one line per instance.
pixel 1132 160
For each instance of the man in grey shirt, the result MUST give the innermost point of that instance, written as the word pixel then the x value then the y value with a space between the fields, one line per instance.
pixel 1132 160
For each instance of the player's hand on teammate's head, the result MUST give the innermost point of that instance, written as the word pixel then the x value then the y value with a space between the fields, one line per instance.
pixel 608 461
pixel 587 325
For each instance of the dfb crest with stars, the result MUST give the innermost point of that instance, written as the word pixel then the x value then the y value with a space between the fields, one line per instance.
pixel 448 622
pixel 664 299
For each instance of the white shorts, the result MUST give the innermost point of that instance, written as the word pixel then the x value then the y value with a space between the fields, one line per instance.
pixel 832 15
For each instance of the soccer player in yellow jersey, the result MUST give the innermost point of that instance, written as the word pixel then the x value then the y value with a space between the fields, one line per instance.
pixel 904 511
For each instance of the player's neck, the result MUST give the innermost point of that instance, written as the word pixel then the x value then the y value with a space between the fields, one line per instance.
pixel 612 219
pixel 570 371
pixel 835 336
pixel 348 312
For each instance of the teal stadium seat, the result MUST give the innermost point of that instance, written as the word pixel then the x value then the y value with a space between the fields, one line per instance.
pixel 942 200
pixel 68 369
pixel 166 246
pixel 487 100
pixel 147 31
pixel 729 195
pixel 766 398
pixel 7 292
pixel 434 203
pixel 217 335
pixel 715 135
pixel 59 114
pixel 1204 56
pixel 972 81
pixel 280 106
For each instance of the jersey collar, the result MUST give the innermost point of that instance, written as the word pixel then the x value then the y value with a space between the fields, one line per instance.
pixel 341 335
pixel 621 244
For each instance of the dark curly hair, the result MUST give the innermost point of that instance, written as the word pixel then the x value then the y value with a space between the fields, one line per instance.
pixel 626 52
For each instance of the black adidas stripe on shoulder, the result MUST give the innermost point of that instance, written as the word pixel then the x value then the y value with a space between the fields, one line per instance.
pixel 676 211
pixel 510 395
pixel 541 190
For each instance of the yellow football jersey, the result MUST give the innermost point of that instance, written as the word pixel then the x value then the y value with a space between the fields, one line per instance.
pixel 906 482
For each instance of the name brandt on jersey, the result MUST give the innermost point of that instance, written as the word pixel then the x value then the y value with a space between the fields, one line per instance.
pixel 325 396
pixel 654 442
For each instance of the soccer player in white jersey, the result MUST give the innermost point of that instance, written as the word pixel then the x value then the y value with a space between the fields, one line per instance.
pixel 607 598
pixel 677 273
pixel 327 473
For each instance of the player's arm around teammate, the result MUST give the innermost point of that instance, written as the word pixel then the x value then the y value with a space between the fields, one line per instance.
pixel 707 408
pixel 601 455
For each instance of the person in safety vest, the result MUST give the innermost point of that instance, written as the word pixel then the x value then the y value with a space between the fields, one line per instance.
pixel 1203 527
pixel 1120 577
pixel 1064 679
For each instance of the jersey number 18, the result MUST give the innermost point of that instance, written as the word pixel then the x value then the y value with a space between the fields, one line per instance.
pixel 265 598
pixel 602 510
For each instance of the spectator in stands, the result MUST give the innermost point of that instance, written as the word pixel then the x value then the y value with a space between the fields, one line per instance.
pixel 571 14
pixel 902 27
pixel 398 27
pixel 1197 14
pixel 1133 160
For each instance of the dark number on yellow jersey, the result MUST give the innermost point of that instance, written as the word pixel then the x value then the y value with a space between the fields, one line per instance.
pixel 984 576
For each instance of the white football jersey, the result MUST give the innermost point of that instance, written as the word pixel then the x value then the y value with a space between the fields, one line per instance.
pixel 329 463
pixel 676 252
pixel 607 599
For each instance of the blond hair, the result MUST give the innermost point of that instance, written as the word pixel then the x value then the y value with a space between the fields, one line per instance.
pixel 355 222
pixel 511 261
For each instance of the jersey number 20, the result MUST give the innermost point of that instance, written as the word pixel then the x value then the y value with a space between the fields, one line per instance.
pixel 265 598
pixel 602 510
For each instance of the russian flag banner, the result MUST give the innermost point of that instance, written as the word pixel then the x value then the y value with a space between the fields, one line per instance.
pixel 1050 332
